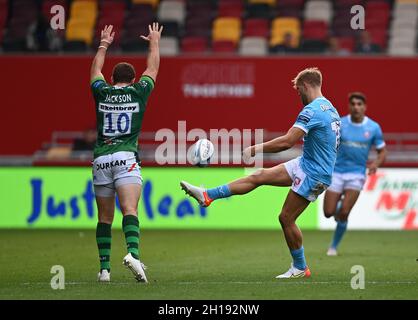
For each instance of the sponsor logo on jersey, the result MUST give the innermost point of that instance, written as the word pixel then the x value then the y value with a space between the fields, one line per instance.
pixel 366 134
pixel 355 144
pixel 126 107
pixel 325 107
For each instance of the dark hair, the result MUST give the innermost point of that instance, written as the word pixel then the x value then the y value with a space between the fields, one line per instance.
pixel 357 95
pixel 123 72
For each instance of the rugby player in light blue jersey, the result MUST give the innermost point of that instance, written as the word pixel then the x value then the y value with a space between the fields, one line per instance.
pixel 358 135
pixel 309 175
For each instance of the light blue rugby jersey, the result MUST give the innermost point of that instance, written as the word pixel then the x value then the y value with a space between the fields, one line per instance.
pixel 356 142
pixel 321 123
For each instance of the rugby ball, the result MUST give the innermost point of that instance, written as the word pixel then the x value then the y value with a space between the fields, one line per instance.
pixel 203 151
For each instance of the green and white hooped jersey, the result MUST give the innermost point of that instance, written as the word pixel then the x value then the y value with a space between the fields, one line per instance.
pixel 119 114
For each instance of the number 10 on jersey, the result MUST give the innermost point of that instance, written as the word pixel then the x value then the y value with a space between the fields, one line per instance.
pixel 116 124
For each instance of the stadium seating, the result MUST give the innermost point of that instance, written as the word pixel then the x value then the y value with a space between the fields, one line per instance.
pixel 83 15
pixel 226 29
pixel 136 23
pixel 169 46
pixel 224 46
pixel 403 32
pixel 320 10
pixel 392 24
pixel 253 46
pixel 25 14
pixel 256 27
pixel 153 3
pixel 194 44
pixel 282 26
pixel 4 9
pixel 230 8
pixel 172 11
pixel 111 12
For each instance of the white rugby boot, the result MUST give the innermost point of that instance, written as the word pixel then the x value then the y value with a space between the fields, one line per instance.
pixel 136 266
pixel 332 252
pixel 103 276
pixel 198 193
pixel 295 273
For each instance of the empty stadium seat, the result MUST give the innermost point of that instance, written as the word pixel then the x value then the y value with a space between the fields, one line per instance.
pixel 194 45
pixel 403 29
pixel 224 46
pixel 172 11
pixel 318 10
pixel 199 26
pixel 253 46
pixel 112 12
pixel 256 28
pixel 169 46
pixel 402 46
pixel 83 15
pixel 230 8
pixel 315 30
pixel 226 29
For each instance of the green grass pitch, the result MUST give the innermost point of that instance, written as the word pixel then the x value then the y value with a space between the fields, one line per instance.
pixel 208 265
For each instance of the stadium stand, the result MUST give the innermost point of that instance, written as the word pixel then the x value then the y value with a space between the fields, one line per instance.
pixel 3 17
pixel 403 32
pixel 391 25
pixel 193 44
pixel 79 29
pixel 281 27
pixel 253 46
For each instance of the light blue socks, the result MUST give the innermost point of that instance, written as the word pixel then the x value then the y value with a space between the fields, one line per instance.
pixel 219 192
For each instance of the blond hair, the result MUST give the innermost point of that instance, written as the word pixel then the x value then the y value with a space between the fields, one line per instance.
pixel 311 76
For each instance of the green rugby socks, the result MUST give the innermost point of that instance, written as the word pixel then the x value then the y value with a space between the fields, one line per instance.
pixel 104 241
pixel 130 225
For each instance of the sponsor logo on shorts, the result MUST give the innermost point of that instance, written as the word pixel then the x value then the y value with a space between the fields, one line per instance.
pixel 297 181
pixel 108 165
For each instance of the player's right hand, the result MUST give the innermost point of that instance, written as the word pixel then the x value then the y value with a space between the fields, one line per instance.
pixel 107 35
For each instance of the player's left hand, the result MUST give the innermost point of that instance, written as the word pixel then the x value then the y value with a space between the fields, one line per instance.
pixel 372 168
pixel 154 32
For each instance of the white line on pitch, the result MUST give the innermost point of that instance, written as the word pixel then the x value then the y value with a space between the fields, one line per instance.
pixel 278 282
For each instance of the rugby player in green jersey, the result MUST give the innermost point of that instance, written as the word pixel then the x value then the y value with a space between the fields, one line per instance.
pixel 120 108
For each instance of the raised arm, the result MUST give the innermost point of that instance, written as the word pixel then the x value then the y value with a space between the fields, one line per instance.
pixel 106 40
pixel 278 144
pixel 153 60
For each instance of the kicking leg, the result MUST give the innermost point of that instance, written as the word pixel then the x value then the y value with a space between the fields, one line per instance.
pixel 275 176
pixel 105 199
pixel 350 198
pixel 129 195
